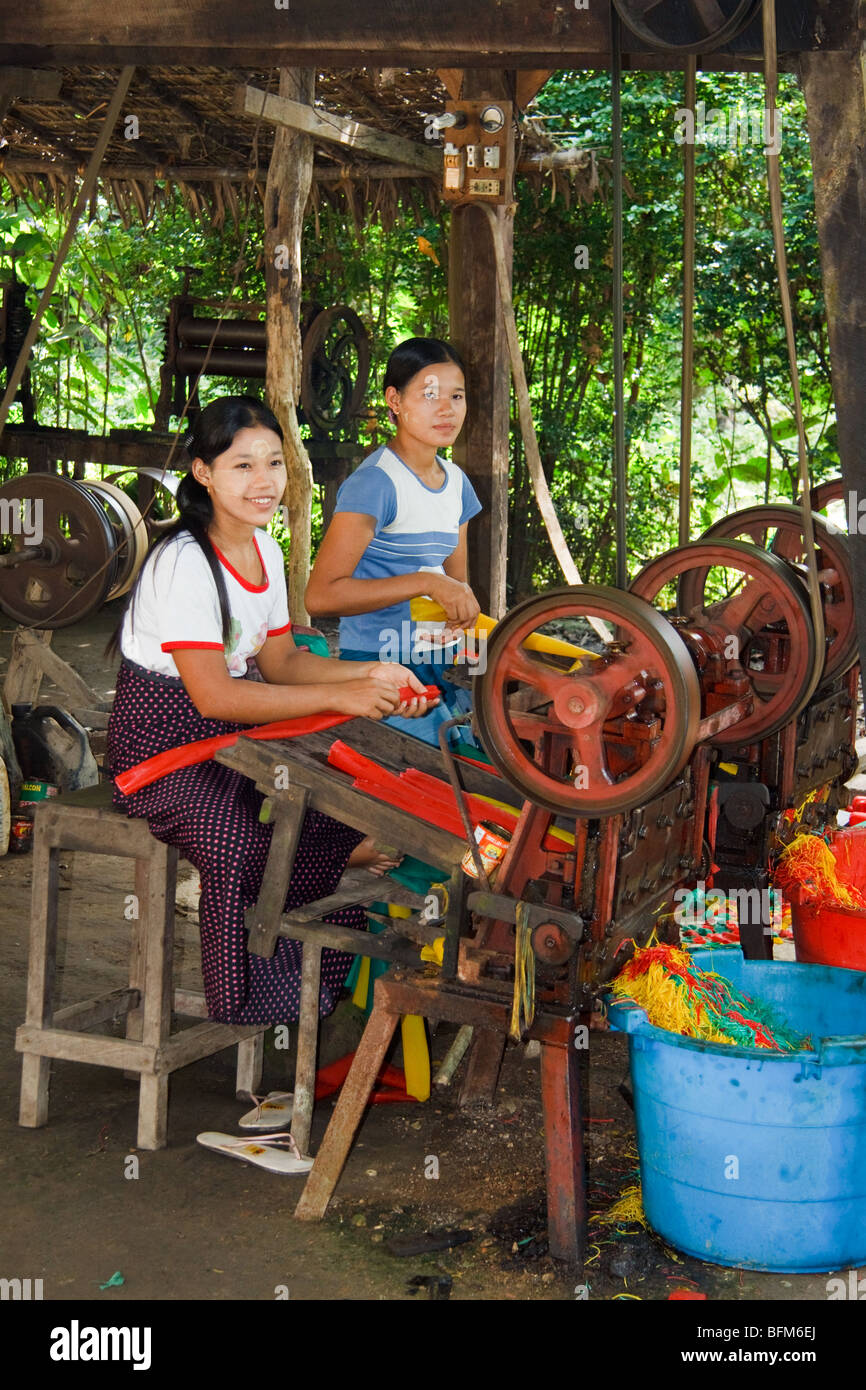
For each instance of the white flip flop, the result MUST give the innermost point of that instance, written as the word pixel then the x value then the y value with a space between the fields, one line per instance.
pixel 277 1152
pixel 272 1111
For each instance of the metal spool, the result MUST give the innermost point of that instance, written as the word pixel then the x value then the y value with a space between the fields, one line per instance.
pixel 336 368
pixel 130 532
pixel 687 26
pixel 779 530
pixel 74 566
pixel 541 722
pixel 165 482
pixel 766 610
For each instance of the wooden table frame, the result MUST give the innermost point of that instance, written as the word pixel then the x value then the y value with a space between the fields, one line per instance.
pixel 298 778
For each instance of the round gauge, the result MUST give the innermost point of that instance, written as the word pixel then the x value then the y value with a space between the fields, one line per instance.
pixel 492 119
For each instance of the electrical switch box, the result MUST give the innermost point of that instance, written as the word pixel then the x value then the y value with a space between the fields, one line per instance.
pixel 478 157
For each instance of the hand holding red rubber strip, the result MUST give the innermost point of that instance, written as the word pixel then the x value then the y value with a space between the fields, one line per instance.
pixel 198 752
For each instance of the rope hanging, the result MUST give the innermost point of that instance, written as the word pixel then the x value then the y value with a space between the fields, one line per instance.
pixel 527 426
pixel 774 183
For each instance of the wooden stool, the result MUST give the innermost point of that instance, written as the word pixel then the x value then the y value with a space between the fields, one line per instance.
pixel 86 821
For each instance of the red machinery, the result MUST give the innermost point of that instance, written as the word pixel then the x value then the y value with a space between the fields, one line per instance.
pixel 714 708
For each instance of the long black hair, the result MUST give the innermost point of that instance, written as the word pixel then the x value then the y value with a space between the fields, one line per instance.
pixel 211 435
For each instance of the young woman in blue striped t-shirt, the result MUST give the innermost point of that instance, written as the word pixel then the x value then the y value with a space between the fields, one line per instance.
pixel 399 530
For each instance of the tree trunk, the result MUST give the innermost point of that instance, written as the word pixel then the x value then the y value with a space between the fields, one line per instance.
pixel 288 186
pixel 833 84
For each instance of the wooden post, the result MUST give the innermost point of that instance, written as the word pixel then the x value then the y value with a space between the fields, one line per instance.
pixel 834 85
pixel 477 331
pixel 286 193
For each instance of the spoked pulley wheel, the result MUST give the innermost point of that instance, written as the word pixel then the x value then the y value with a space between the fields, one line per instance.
pixel 687 26
pixel 736 601
pixel 335 368
pixel 58 556
pixel 779 530
pixel 603 734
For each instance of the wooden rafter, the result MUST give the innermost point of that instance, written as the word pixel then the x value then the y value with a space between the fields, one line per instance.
pixel 336 130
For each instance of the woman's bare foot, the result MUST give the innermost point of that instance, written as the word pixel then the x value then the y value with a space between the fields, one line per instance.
pixel 368 856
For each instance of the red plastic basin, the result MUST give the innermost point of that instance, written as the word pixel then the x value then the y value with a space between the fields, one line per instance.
pixel 827 934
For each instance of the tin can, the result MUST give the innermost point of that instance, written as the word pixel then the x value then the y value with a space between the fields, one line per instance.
pixel 33 791
pixel 492 843
pixel 21 835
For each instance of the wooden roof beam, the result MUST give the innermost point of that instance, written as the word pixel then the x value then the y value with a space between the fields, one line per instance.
pixel 336 130
pixel 344 33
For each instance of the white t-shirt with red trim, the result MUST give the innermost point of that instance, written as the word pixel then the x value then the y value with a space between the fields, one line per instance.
pixel 177 606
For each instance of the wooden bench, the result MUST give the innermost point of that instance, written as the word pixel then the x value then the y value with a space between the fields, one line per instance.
pixel 86 821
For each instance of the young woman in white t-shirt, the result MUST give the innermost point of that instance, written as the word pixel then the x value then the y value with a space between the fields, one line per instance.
pixel 212 595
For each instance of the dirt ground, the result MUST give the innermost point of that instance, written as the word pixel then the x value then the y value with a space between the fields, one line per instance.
pixel 192 1225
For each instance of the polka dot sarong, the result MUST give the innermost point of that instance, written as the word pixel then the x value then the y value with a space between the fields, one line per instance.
pixel 211 813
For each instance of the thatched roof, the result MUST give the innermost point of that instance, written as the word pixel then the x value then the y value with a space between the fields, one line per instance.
pixel 190 137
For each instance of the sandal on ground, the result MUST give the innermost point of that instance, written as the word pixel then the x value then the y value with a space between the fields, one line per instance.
pixel 277 1152
pixel 272 1111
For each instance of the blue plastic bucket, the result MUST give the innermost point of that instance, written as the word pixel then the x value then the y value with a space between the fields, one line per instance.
pixel 750 1157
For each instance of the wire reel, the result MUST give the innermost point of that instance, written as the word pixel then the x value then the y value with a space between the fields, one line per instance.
pixel 66 546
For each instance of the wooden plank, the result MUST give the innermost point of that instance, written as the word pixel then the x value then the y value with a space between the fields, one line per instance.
pixel 263 919
pixel 529 82
pixel 308 1036
pixel 92 1011
pixel 337 130
pixel 35 647
pixel 202 1040
pixel 248 1076
pixel 30 84
pixel 334 1151
pixel 386 945
pixel 152 1112
pixel 397 751
pixel 84 1047
pixel 85 828
pixel 42 954
pixel 345 34
pixel 332 793
pixel 384 890
pixel 452 81
pixel 156 889
pixel 24 673
pixel 190 1003
pixel 482 1071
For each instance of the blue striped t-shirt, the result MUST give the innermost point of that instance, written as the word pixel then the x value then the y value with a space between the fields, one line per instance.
pixel 417 527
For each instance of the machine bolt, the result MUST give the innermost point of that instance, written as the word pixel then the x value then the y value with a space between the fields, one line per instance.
pixel 663 822
pixel 686 862
pixel 642 832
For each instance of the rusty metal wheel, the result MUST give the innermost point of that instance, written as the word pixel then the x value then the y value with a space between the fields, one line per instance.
pixel 69 570
pixel 336 368
pixel 751 599
pixel 600 735
pixel 779 530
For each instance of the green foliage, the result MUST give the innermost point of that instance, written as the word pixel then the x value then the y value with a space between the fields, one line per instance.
pixel 96 364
